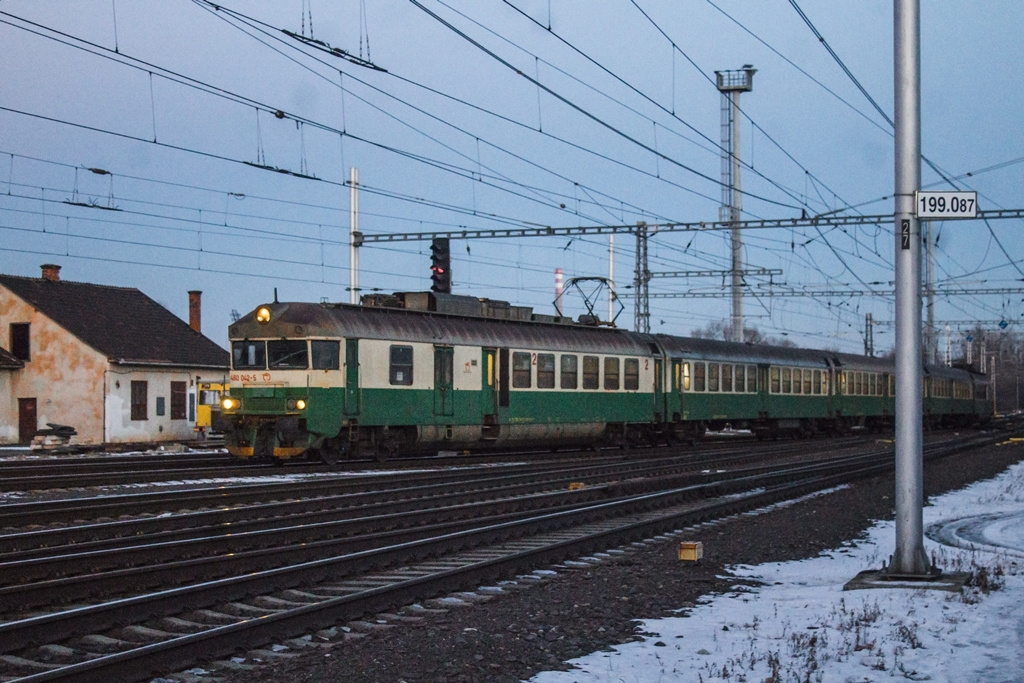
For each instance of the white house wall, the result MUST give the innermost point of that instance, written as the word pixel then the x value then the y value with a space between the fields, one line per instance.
pixel 121 428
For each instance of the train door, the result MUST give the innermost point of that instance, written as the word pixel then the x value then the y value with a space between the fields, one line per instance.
pixel 763 390
pixel 675 396
pixel 352 397
pixel 444 399
pixel 659 390
pixel 488 391
pixel 503 393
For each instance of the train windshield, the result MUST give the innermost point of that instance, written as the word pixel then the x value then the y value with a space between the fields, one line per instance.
pixel 249 355
pixel 288 353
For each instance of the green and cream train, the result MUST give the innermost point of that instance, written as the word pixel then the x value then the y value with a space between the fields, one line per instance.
pixel 424 371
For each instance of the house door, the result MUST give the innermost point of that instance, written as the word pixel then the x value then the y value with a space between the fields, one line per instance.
pixel 444 360
pixel 27 425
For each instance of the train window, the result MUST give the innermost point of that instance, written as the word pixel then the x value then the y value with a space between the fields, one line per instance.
pixel 545 371
pixel 841 378
pixel 727 377
pixel 401 365
pixel 740 373
pixel 686 376
pixel 816 382
pixel 521 370
pixel 797 382
pixel 631 374
pixel 249 355
pixel 570 365
pixel 751 379
pixel 776 387
pixel 787 380
pixel 824 382
pixel 326 354
pixel 871 384
pixel 288 354
pixel 209 397
pixel 892 385
pixel 591 370
pixel 700 376
pixel 860 384
pixel 611 374
pixel 712 376
pixel 807 381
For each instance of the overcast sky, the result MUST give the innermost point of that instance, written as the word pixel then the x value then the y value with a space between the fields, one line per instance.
pixel 175 101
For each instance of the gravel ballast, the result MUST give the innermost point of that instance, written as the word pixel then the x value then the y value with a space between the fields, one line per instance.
pixel 539 624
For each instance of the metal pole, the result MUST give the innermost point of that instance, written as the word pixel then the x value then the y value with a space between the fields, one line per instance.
pixel 932 348
pixel 737 235
pixel 354 241
pixel 611 277
pixel 909 557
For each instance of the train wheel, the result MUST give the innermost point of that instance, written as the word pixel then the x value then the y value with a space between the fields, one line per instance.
pixel 387 447
pixel 327 455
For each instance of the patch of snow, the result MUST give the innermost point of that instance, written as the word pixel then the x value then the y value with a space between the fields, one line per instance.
pixel 800 625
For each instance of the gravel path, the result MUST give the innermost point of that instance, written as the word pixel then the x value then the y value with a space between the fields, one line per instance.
pixel 575 611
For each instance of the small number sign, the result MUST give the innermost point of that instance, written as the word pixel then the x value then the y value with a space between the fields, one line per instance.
pixel 944 205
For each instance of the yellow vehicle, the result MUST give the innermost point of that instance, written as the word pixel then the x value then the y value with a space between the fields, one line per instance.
pixel 208 409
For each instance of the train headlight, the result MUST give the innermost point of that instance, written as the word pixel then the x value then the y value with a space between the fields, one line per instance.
pixel 228 403
pixel 296 404
pixel 263 315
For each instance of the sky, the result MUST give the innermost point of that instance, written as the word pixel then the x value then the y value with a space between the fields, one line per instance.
pixel 800 625
pixel 175 146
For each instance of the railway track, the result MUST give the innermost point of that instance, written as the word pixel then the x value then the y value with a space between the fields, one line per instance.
pixel 353 573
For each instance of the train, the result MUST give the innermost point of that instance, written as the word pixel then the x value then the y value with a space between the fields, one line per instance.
pixel 425 371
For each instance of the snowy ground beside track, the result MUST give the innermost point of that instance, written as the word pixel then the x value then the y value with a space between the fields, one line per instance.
pixel 800 625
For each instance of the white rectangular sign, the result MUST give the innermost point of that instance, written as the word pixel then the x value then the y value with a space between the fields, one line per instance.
pixel 943 205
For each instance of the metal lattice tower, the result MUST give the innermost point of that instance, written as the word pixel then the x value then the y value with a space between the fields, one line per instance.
pixel 731 84
pixel 641 279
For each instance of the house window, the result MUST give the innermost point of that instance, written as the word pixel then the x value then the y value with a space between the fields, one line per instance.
pixel 325 354
pixel 401 365
pixel 631 375
pixel 179 402
pixel 161 403
pixel 521 370
pixel 545 371
pixel 591 370
pixel 140 394
pixel 570 378
pixel 611 374
pixel 20 347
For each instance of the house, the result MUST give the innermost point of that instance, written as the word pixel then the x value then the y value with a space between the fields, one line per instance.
pixel 109 361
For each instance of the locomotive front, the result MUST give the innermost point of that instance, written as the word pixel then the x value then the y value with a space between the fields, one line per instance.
pixel 279 378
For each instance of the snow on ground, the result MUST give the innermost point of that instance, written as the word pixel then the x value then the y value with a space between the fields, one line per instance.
pixel 800 625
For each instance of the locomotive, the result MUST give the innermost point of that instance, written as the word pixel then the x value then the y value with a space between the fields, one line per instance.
pixel 422 371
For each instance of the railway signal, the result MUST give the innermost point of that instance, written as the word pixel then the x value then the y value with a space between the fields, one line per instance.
pixel 441 265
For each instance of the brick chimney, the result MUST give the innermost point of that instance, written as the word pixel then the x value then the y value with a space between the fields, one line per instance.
pixel 51 272
pixel 195 310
